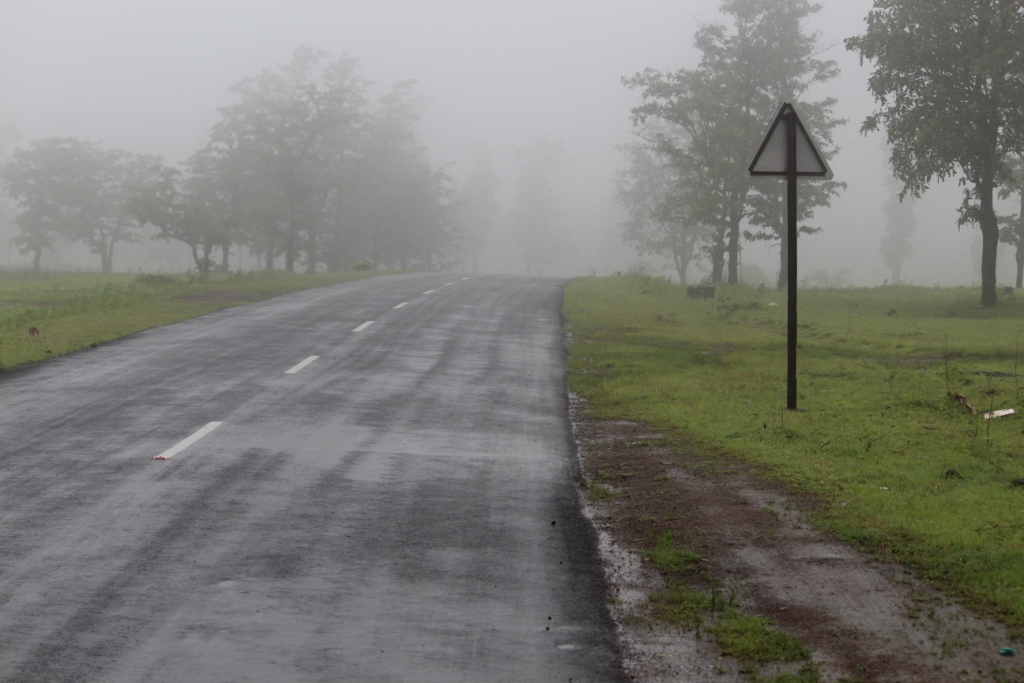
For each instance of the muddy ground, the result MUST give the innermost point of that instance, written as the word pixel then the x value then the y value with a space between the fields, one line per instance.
pixel 866 621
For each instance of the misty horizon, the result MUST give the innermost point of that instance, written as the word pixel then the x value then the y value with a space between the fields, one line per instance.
pixel 151 77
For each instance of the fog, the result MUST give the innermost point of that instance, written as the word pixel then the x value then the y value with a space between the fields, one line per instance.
pixel 149 76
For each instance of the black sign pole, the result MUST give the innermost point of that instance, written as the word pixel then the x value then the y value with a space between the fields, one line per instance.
pixel 791 231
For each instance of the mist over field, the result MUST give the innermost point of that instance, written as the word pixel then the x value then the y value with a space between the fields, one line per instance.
pixel 149 77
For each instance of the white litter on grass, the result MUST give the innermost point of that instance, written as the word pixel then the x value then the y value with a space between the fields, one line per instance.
pixel 998 413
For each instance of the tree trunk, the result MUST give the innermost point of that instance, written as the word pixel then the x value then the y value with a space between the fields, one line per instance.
pixel 38 257
pixel 989 225
pixel 313 254
pixel 268 256
pixel 107 257
pixel 225 252
pixel 289 249
pixel 897 270
pixel 718 256
pixel 682 261
pixel 204 261
pixel 734 250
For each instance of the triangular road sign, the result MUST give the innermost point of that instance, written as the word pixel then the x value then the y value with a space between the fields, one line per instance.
pixel 771 154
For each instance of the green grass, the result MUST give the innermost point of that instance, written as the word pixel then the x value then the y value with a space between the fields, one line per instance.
pixel 73 310
pixel 680 605
pixel 669 557
pixel 597 492
pixel 748 637
pixel 877 436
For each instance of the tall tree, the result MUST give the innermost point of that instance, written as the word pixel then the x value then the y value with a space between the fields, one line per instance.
pixel 35 179
pixel 657 219
pixel 900 224
pixel 405 205
pixel 285 122
pixel 478 207
pixel 721 108
pixel 538 207
pixel 947 80
pixel 106 183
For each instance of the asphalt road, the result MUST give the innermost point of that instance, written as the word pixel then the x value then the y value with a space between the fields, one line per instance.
pixel 402 508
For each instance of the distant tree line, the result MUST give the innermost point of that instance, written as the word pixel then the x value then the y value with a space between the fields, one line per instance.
pixel 302 166
pixel 948 80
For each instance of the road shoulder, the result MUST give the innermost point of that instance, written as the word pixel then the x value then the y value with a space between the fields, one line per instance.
pixel 863 620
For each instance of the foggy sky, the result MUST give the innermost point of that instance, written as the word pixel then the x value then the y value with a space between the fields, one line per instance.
pixel 148 77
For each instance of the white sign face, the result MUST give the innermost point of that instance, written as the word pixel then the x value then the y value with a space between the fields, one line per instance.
pixel 771 154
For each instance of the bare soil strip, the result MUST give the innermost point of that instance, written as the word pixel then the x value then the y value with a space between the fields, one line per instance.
pixel 867 621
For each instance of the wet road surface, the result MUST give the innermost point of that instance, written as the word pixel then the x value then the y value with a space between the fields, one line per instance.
pixel 392 501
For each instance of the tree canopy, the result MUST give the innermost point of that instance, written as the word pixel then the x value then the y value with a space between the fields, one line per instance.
pixel 76 190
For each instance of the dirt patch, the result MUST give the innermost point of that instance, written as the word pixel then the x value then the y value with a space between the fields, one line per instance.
pixel 866 621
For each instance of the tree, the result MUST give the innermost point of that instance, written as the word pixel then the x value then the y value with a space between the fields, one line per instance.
pixel 34 178
pixel 537 206
pixel 288 121
pixel 477 206
pixel 900 224
pixel 1012 230
pixel 102 190
pixel 316 174
pixel 263 209
pixel 657 209
pixel 950 94
pixel 8 137
pixel 404 205
pixel 720 110
pixel 78 191
pixel 195 207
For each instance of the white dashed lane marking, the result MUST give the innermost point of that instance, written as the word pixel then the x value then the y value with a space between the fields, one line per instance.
pixel 429 291
pixel 185 443
pixel 363 326
pixel 466 278
pixel 404 303
pixel 448 283
pixel 292 371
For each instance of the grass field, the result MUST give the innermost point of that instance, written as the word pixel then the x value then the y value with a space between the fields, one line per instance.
pixel 73 310
pixel 899 467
